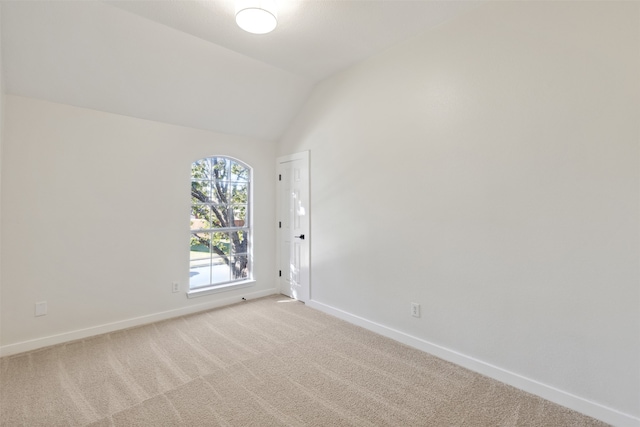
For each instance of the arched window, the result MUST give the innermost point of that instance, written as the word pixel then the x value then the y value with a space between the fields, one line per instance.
pixel 220 247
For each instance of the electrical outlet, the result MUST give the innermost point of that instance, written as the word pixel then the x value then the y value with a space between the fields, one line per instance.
pixel 415 309
pixel 41 309
pixel 175 287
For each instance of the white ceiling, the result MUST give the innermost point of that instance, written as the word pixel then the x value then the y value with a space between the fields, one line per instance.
pixel 187 63
pixel 314 38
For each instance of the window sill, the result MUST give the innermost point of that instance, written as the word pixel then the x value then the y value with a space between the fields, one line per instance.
pixel 219 288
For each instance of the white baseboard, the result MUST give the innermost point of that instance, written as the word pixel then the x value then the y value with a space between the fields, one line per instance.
pixel 579 404
pixel 34 344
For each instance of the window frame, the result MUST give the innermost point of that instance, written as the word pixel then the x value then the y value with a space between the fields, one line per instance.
pixel 229 212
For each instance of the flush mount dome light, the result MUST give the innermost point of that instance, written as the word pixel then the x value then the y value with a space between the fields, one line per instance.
pixel 256 16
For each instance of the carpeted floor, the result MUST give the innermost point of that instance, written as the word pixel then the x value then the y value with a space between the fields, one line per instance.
pixel 266 362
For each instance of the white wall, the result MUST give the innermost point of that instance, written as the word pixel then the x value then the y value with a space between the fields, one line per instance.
pixel 95 220
pixel 488 170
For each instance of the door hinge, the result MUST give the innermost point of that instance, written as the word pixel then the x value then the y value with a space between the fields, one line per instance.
pixel 280 273
pixel 279 224
pixel 279 177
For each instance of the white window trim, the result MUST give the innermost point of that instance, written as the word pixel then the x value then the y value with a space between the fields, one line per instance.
pixel 200 292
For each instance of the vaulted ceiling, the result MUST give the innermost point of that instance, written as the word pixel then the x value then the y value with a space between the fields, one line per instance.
pixel 187 63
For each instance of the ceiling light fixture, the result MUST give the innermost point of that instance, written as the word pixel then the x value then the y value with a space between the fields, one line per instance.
pixel 256 16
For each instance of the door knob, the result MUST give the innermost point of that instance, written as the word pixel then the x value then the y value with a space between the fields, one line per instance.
pixel 301 237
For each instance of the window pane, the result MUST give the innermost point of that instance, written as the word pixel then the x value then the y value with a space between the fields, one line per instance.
pixel 200 217
pixel 220 168
pixel 219 270
pixel 201 169
pixel 200 260
pixel 239 172
pixel 200 244
pixel 239 267
pixel 238 242
pixel 239 218
pixel 239 192
pixel 219 216
pixel 200 191
pixel 199 273
pixel 220 244
pixel 220 192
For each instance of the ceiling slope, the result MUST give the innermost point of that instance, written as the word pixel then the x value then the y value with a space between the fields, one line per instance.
pixel 187 63
pixel 314 38
pixel 91 55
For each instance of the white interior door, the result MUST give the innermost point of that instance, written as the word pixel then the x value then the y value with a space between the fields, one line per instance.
pixel 293 226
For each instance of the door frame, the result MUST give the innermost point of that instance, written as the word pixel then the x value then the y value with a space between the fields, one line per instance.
pixel 305 157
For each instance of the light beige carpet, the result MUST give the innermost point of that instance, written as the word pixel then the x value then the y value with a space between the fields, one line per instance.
pixel 267 362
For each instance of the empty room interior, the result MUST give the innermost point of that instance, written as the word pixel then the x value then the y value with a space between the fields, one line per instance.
pixel 353 197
